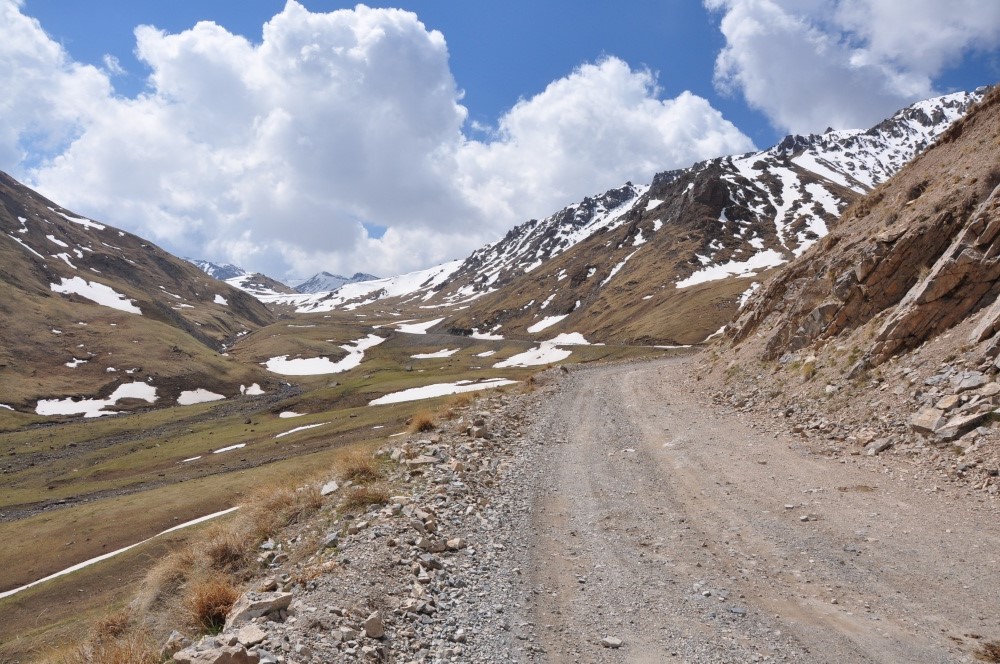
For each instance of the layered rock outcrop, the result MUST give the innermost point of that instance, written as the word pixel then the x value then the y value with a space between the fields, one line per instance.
pixel 914 258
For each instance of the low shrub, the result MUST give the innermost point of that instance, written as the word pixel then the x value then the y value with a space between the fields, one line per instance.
pixel 208 601
pixel 422 422
pixel 360 468
pixel 363 497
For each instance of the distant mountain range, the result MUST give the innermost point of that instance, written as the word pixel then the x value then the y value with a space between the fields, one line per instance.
pixel 220 271
pixel 260 284
pixel 669 261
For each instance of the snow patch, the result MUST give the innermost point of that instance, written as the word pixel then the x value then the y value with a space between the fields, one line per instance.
pixel 417 328
pixel 568 339
pixel 190 397
pixel 96 292
pixel 302 428
pixel 430 356
pixel 315 366
pixel 83 221
pixel 221 300
pixel 764 259
pixel 439 390
pixel 95 407
pixel 546 353
pixel 545 323
pixel 476 334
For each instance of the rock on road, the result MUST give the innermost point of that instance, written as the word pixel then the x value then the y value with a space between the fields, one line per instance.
pixel 663 527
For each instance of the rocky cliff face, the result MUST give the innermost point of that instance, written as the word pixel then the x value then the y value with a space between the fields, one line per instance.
pixel 917 256
pixel 884 338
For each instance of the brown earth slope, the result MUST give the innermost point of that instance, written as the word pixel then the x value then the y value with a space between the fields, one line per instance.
pixel 168 320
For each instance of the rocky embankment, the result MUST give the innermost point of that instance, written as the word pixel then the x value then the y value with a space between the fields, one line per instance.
pixel 416 578
pixel 936 416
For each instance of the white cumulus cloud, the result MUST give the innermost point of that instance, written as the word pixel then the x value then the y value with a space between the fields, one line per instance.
pixel 276 154
pixel 844 63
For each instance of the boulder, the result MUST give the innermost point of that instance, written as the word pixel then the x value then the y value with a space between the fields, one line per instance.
pixel 959 425
pixel 209 651
pixel 255 604
pixel 927 420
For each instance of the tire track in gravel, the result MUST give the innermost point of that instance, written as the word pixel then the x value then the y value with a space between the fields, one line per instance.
pixel 669 522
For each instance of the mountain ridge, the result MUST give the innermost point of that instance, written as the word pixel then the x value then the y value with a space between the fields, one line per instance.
pixel 671 261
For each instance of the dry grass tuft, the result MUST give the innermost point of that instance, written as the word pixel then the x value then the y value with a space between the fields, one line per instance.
pixel 208 601
pixel 363 497
pixel 227 549
pixel 422 422
pixel 200 580
pixel 277 507
pixel 462 400
pixel 360 468
pixel 114 639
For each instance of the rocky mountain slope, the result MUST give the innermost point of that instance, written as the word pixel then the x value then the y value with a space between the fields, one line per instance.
pixel 885 336
pixel 669 261
pixel 88 309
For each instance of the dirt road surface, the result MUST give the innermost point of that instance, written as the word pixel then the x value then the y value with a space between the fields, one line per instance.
pixel 692 534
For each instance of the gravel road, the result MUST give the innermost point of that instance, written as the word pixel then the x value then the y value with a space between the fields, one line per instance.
pixel 689 532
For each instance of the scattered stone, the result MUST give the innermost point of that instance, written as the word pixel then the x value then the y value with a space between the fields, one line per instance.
pixel 948 402
pixel 251 635
pixel 374 629
pixel 175 642
pixel 879 446
pixel 209 651
pixel 329 487
pixel 968 380
pixel 611 642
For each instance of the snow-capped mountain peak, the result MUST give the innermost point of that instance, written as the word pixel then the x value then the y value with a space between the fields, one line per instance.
pixel 324 282
pixel 220 271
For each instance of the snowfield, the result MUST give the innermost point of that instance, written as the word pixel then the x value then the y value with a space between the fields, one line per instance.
pixel 317 366
pixel 439 390
pixel 191 397
pixel 96 292
pixel 95 407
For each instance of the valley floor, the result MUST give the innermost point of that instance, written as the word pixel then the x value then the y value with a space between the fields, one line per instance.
pixel 617 513
pixel 688 531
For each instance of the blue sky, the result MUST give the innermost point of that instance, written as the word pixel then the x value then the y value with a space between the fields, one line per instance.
pixel 395 149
